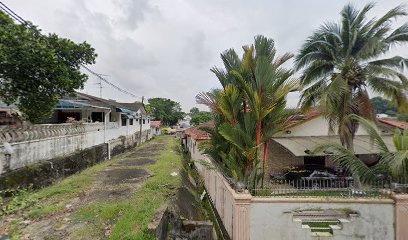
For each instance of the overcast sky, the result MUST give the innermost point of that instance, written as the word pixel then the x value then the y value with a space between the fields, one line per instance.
pixel 163 48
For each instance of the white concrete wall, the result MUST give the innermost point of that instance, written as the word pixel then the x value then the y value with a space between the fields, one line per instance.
pixel 314 127
pixel 36 143
pixel 273 220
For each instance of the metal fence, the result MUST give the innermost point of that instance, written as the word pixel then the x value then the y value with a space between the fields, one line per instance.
pixel 325 188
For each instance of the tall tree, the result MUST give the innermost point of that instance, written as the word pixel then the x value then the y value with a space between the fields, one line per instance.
pixel 382 105
pixel 342 61
pixel 194 111
pixel 166 110
pixel 251 106
pixel 36 69
pixel 200 117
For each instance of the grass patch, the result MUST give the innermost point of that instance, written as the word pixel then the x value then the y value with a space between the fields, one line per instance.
pixel 129 219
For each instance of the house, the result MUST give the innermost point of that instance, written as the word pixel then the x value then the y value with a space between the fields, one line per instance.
pixel 155 127
pixel 191 137
pixel 305 132
pixel 185 122
pixel 9 114
pixel 87 108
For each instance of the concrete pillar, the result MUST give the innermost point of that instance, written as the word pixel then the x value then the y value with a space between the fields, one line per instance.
pixel 401 216
pixel 241 218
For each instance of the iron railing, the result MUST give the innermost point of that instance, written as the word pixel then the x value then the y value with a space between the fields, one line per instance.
pixel 323 188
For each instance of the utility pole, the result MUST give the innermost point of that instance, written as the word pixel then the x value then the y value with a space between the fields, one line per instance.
pixel 140 122
pixel 100 88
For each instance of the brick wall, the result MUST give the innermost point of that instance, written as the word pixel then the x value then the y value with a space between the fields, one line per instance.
pixel 279 158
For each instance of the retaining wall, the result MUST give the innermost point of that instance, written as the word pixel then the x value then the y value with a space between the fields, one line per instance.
pixel 260 218
pixel 32 144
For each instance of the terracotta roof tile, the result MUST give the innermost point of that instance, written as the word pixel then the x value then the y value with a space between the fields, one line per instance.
pixel 197 133
pixel 394 123
pixel 155 123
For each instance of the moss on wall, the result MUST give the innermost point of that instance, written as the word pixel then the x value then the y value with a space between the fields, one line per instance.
pixel 46 172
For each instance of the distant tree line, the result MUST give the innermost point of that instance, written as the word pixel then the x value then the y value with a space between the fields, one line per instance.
pixel 384 106
pixel 198 117
pixel 165 110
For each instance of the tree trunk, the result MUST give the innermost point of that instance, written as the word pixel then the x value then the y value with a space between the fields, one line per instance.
pixel 265 155
pixel 356 177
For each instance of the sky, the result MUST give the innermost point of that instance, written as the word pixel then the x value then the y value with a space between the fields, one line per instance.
pixel 162 48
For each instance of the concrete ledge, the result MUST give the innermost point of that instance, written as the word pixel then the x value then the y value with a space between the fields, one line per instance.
pixel 323 200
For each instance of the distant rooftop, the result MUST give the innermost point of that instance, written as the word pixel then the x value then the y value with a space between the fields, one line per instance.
pixel 197 133
pixel 394 123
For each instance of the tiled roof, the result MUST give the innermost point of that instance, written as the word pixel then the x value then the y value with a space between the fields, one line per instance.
pixel 394 123
pixel 297 119
pixel 197 133
pixel 155 123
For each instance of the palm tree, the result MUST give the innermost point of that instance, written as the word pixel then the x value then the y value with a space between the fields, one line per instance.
pixel 251 106
pixel 342 61
pixel 394 162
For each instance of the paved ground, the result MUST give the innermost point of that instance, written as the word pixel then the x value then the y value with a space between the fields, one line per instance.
pixel 116 182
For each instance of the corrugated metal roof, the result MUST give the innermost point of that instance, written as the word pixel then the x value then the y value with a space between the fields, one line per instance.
pixel 74 104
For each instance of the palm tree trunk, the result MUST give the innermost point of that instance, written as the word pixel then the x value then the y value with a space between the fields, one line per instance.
pixel 356 177
pixel 265 155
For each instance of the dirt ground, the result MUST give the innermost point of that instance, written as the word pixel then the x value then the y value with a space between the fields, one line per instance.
pixel 116 182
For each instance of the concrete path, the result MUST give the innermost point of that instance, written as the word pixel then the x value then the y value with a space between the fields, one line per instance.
pixel 115 183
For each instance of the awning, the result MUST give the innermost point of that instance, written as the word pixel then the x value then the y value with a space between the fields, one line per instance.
pixel 127 113
pixel 301 146
pixel 72 104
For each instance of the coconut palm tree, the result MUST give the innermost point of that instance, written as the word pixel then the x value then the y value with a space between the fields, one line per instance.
pixel 251 105
pixel 394 162
pixel 342 61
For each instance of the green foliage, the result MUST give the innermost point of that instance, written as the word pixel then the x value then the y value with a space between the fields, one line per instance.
pixel 166 110
pixel 36 69
pixel 200 117
pixel 392 162
pixel 382 105
pixel 194 111
pixel 341 61
pixel 249 109
pixel 20 199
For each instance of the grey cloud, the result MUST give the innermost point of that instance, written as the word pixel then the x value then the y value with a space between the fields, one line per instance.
pixel 166 48
pixel 134 12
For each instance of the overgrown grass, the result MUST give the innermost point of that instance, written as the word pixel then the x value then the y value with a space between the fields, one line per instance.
pixel 53 199
pixel 129 219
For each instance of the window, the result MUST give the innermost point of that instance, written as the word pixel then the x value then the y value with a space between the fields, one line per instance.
pixel 148 120
pixel 124 121
pixel 130 121
pixel 144 121
pixel 97 116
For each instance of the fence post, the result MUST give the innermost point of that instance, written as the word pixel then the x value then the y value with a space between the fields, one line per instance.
pixel 241 217
pixel 401 216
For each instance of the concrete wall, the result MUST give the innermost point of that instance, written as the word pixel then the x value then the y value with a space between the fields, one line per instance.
pixel 246 217
pixel 272 219
pixel 35 143
pixel 232 207
pixel 314 127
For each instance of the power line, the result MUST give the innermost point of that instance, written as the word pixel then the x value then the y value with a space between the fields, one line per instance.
pixel 16 16
pixel 107 82
pixel 11 13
